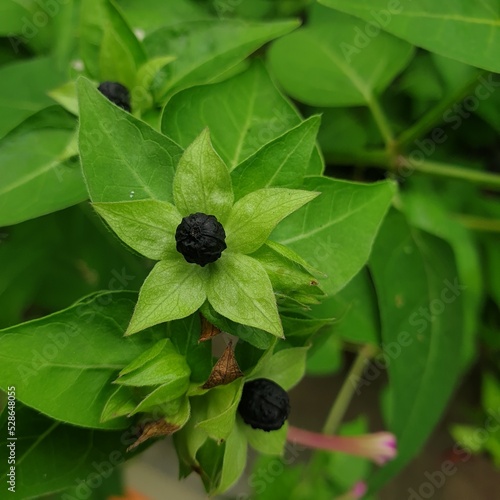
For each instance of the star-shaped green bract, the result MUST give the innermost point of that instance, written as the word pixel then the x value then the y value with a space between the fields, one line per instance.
pixel 236 285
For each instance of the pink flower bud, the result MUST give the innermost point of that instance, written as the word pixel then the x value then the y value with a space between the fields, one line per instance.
pixel 379 447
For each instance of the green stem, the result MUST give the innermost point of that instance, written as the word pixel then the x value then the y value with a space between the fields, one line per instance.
pixel 435 115
pixel 381 159
pixel 381 121
pixel 346 393
pixel 378 157
pixel 486 179
pixel 479 223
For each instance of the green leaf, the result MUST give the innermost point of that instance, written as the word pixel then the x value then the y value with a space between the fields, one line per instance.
pixel 420 300
pixel 240 290
pixel 205 49
pixel 38 175
pixel 93 15
pixel 115 145
pixel 222 402
pixel 338 74
pixel 323 231
pixel 173 290
pixel 235 459
pixel 149 355
pixel 355 309
pixel 468 32
pixel 254 216
pixel 65 95
pixel 22 94
pixel 147 226
pixel 268 443
pixel 250 102
pixel 202 182
pixel 80 350
pixel 325 355
pixel 287 277
pixel 426 211
pixel 285 367
pixel 11 18
pixel 157 13
pixel 168 367
pixel 254 336
pixel 119 404
pixel 145 78
pixel 121 54
pixel 282 162
pixel 52 456
pixel 185 334
pixel 170 399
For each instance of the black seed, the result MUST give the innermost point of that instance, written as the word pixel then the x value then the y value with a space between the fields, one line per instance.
pixel 200 238
pixel 116 93
pixel 264 404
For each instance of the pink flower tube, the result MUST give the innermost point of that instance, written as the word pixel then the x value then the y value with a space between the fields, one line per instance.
pixel 379 447
pixel 358 491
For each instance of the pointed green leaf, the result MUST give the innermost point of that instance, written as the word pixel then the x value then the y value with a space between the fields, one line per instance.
pixel 65 95
pixel 121 54
pixel 22 94
pixel 174 289
pixel 269 443
pixel 80 350
pixel 147 226
pixel 122 157
pixel 355 308
pixel 185 335
pixel 148 355
pixel 285 367
pixel 213 48
pixel 240 289
pixel 338 73
pixel 462 30
pixel 287 277
pixel 282 162
pixel 39 173
pixel 119 404
pixel 335 232
pixel 250 102
pixel 235 459
pixel 420 300
pixel 222 402
pixel 166 367
pixel 202 182
pixel 254 216
pixel 167 397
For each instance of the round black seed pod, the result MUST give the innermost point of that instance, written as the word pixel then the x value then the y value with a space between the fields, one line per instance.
pixel 116 93
pixel 200 238
pixel 264 404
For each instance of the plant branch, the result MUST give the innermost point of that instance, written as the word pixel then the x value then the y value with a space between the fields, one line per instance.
pixel 479 223
pixel 346 393
pixel 435 115
pixel 381 121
